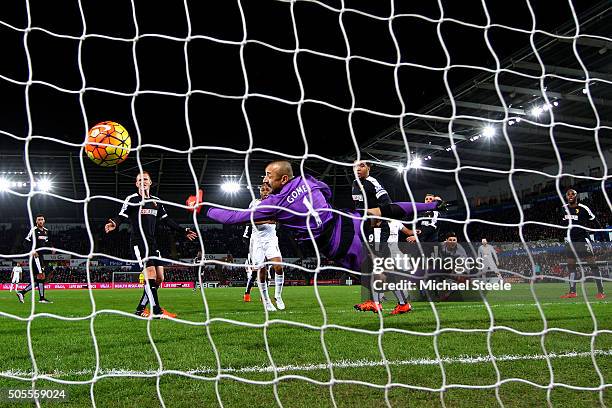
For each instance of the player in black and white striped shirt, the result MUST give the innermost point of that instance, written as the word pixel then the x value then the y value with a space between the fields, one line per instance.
pixel 578 245
pixel 428 226
pixel 144 244
pixel 196 261
pixel 41 238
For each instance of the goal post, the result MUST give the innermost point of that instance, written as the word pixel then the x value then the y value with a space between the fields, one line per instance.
pixel 125 277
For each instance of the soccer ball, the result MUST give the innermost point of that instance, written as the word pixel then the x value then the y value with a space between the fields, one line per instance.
pixel 110 133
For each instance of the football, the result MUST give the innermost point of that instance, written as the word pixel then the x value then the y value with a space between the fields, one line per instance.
pixel 108 144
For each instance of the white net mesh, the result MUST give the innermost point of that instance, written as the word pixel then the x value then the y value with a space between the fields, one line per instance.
pixel 580 77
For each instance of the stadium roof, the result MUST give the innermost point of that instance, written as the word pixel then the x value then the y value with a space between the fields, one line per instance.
pixel 323 123
pixel 523 83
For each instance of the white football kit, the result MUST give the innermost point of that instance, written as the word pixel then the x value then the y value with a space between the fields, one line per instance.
pixel 489 258
pixel 394 228
pixel 16 274
pixel 264 242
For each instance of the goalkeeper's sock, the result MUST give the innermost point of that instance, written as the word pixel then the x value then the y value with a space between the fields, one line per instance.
pixel 377 296
pixel 279 281
pixel 151 290
pixel 263 289
pixel 41 290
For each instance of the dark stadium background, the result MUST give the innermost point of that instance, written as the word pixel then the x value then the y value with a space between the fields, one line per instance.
pixel 216 121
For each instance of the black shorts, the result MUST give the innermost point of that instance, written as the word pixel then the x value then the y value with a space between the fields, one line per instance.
pixel 140 251
pixel 584 249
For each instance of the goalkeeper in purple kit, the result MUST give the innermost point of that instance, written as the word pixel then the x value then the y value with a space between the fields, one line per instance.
pixel 337 237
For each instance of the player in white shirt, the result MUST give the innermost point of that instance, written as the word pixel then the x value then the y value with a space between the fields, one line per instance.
pixel 15 276
pixel 489 258
pixel 264 247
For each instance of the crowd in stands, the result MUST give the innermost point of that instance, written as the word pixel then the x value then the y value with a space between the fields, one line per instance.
pixel 543 208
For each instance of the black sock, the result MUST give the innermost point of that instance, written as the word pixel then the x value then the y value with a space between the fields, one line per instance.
pixel 26 289
pixel 597 277
pixel 151 290
pixel 144 300
pixel 41 290
pixel 250 283
pixel 573 277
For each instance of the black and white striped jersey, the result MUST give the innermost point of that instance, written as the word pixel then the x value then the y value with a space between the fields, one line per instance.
pixel 41 237
pixel 428 226
pixel 150 211
pixel 581 217
pixel 375 194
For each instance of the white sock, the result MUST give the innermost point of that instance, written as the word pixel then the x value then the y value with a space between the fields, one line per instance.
pixel 401 299
pixel 263 289
pixel 279 281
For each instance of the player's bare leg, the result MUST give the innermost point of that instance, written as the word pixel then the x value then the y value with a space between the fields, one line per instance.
pixel 279 281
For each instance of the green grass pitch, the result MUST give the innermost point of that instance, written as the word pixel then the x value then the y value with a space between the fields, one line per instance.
pixel 65 350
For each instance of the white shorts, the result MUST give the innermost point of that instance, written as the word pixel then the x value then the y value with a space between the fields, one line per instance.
pixel 490 266
pixel 15 279
pixel 264 250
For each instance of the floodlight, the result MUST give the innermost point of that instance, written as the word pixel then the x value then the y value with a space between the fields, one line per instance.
pixel 230 187
pixel 536 111
pixel 488 131
pixel 44 185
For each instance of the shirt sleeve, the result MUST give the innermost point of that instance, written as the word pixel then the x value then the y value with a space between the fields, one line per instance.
pixel 124 213
pixel 380 192
pixel 162 214
pixel 161 211
pixel 591 215
pixel 225 216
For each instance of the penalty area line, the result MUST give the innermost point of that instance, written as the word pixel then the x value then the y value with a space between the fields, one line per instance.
pixel 478 359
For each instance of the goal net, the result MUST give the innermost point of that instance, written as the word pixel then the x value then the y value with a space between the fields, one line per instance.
pixel 497 107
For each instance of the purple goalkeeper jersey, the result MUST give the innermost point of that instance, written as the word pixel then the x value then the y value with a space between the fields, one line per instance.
pixel 338 237
pixel 293 198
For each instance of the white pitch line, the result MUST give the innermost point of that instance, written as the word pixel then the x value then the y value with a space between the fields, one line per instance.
pixel 314 367
pixel 439 306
